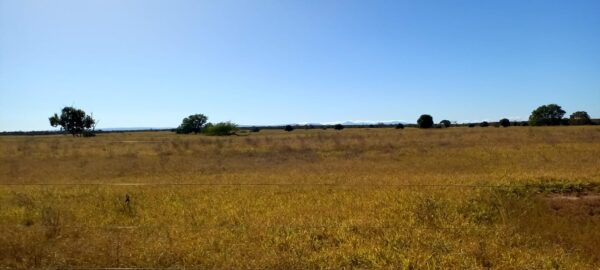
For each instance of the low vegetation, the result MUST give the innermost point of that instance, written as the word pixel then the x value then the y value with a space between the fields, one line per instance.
pixel 456 198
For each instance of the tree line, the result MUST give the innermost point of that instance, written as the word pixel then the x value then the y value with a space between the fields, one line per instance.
pixel 77 123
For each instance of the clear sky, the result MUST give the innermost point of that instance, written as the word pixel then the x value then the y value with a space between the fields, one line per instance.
pixel 150 63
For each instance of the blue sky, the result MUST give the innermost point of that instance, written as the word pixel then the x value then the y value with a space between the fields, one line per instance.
pixel 150 63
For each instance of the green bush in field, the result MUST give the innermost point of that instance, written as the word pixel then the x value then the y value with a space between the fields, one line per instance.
pixel 445 123
pixel 504 122
pixel 220 129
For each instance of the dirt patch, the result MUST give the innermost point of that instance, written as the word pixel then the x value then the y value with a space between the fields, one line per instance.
pixel 578 203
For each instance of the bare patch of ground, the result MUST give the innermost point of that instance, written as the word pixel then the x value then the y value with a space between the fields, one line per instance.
pixel 575 203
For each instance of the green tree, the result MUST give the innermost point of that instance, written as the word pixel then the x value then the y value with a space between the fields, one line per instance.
pixel 504 122
pixel 425 121
pixel 74 121
pixel 580 118
pixel 445 123
pixel 288 128
pixel 338 127
pixel 220 129
pixel 400 126
pixel 193 123
pixel 484 124
pixel 546 115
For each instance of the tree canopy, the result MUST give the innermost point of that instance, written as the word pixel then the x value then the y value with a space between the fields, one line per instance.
pixel 445 123
pixel 504 122
pixel 580 118
pixel 546 115
pixel 74 121
pixel 193 123
pixel 425 121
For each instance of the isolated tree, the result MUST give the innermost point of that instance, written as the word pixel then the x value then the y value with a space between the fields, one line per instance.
pixel 254 129
pixel 471 125
pixel 73 121
pixel 193 123
pixel 580 118
pixel 546 115
pixel 504 122
pixel 484 124
pixel 445 123
pixel 288 128
pixel 400 126
pixel 220 129
pixel 425 121
pixel 338 127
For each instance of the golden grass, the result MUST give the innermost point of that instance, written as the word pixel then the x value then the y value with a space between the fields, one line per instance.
pixel 357 198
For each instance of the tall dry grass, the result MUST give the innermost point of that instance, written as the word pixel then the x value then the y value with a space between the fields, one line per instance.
pixel 357 198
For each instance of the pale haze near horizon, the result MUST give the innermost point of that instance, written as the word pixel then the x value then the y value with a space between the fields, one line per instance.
pixel 151 63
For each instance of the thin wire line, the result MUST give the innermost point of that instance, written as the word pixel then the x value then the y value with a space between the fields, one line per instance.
pixel 274 184
pixel 137 227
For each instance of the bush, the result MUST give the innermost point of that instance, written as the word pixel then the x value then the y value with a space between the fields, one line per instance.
pixel 399 126
pixel 504 122
pixel 425 121
pixel 220 129
pixel 288 128
pixel 580 118
pixel 254 129
pixel 445 123
pixel 546 115
pixel 484 124
pixel 338 127
pixel 471 125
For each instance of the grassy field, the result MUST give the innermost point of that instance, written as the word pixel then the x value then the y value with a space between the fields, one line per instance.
pixel 468 198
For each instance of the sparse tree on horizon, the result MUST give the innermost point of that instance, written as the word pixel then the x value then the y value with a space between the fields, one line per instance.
pixel 504 122
pixel 445 123
pixel 74 121
pixel 546 115
pixel 425 121
pixel 193 123
pixel 580 118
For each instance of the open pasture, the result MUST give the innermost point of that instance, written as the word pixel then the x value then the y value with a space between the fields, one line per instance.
pixel 502 198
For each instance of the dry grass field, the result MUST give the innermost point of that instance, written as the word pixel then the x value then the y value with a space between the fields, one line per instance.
pixel 457 198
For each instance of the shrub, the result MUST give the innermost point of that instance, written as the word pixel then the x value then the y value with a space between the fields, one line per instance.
pixel 338 127
pixel 425 121
pixel 484 124
pixel 254 129
pixel 400 126
pixel 445 123
pixel 504 122
pixel 220 129
pixel 546 115
pixel 580 118
pixel 471 125
pixel 288 128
